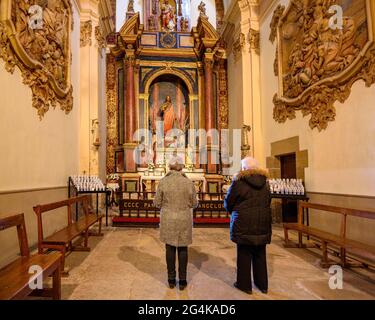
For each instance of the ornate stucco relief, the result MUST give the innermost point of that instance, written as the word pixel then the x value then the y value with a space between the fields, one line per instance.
pixel 86 33
pixel 40 51
pixel 317 63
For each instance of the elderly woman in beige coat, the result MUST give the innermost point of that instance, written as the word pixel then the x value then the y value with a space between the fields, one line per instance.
pixel 176 197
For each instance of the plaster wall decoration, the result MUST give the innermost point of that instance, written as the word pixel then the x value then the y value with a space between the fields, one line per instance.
pixel 275 20
pixel 254 40
pixel 100 38
pixel 276 63
pixel 238 46
pixel 318 63
pixel 86 33
pixel 42 54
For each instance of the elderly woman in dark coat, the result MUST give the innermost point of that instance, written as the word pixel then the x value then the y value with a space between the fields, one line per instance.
pixel 248 201
pixel 176 196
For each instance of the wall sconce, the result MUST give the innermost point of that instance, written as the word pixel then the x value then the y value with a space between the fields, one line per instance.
pixel 95 133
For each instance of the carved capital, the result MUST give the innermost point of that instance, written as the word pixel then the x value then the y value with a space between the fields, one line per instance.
pixel 86 32
pixel 254 40
pixel 129 60
pixel 100 38
pixel 238 45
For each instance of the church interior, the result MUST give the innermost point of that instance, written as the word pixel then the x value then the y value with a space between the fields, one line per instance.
pixel 99 94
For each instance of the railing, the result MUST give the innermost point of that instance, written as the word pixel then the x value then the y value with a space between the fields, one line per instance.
pixel 140 205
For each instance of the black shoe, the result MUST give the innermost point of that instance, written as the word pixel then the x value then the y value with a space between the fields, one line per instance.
pixel 246 291
pixel 172 283
pixel 265 291
pixel 182 284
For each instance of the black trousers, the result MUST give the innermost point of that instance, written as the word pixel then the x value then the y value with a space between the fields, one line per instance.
pixel 254 256
pixel 171 261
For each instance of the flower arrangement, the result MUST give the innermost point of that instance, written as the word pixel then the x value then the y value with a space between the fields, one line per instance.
pixel 113 177
pixel 150 166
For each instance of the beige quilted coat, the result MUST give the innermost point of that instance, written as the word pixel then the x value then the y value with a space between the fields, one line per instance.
pixel 176 197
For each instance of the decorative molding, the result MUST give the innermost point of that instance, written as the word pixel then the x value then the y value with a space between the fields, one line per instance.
pixel 112 113
pixel 42 55
pixel 254 40
pixel 86 33
pixel 100 38
pixel 276 63
pixel 277 14
pixel 238 45
pixel 312 78
pixel 223 95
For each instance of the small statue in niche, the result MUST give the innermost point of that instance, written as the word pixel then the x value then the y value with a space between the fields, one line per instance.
pixel 131 6
pixel 184 24
pixel 167 17
pixel 202 10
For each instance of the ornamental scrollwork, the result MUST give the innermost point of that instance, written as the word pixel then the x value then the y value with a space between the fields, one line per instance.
pixel 86 32
pixel 318 62
pixel 41 52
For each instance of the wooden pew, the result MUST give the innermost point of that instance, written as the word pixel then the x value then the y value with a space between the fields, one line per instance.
pixel 62 240
pixel 15 277
pixel 340 241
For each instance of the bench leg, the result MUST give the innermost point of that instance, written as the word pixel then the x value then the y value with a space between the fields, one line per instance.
pixel 86 241
pixel 343 257
pixel 64 272
pixel 286 236
pixel 324 263
pixel 99 233
pixel 300 244
pixel 56 284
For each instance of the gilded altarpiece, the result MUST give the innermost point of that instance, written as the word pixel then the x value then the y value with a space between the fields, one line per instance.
pixel 320 55
pixel 35 37
pixel 175 76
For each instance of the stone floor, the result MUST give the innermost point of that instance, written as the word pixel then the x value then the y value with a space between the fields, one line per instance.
pixel 129 263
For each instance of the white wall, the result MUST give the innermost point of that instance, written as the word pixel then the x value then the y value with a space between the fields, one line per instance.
pixel 342 157
pixel 37 154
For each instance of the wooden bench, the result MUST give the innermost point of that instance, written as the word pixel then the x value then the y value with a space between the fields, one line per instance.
pixel 15 278
pixel 62 240
pixel 337 240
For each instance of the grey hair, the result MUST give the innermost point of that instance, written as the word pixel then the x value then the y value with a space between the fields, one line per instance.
pixel 176 163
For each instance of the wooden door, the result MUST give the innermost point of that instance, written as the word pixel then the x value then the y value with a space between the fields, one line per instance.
pixel 289 171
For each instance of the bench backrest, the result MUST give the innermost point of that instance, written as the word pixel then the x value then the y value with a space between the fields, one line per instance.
pixel 40 209
pixel 345 212
pixel 19 222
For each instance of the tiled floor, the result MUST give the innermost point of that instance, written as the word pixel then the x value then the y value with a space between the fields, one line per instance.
pixel 129 263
